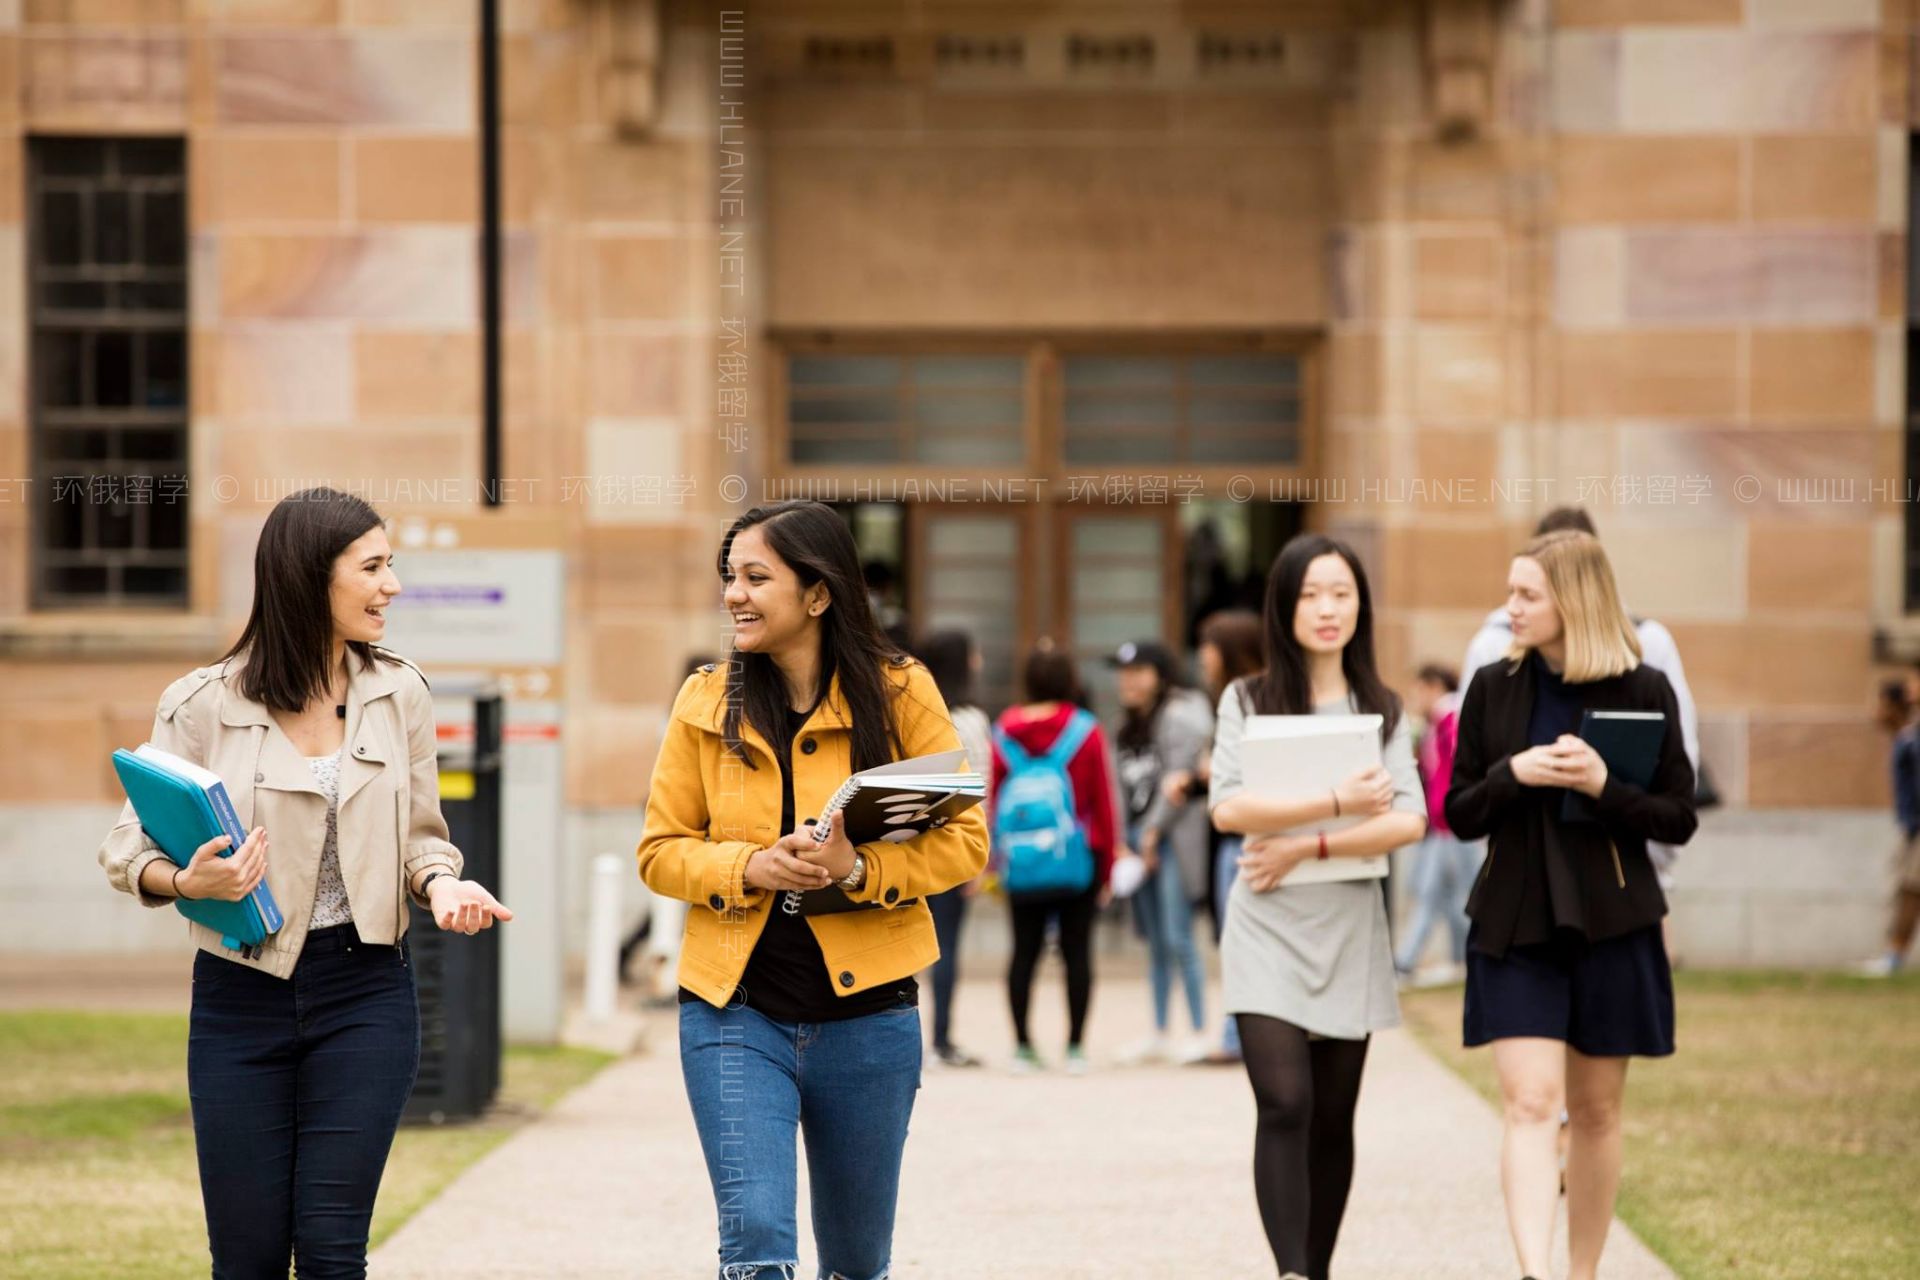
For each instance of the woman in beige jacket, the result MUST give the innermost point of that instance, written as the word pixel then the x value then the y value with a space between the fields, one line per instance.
pixel 301 1057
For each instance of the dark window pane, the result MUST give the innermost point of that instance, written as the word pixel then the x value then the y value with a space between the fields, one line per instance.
pixel 153 580
pixel 71 158
pixel 78 579
pixel 866 410
pixel 150 157
pixel 1243 413
pixel 1094 372
pixel 863 371
pixel 73 295
pixel 163 230
pixel 67 519
pixel 149 295
pixel 161 444
pixel 60 226
pixel 858 449
pixel 1277 447
pixel 968 371
pixel 115 523
pixel 1261 370
pixel 112 227
pixel 166 523
pixel 1145 410
pixel 112 368
pixel 989 413
pixel 59 368
pixel 166 385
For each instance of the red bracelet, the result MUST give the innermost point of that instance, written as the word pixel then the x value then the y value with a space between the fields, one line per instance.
pixel 1323 846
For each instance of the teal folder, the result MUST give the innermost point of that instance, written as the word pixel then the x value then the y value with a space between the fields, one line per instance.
pixel 182 806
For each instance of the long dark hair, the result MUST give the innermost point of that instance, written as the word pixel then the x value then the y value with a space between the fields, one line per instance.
pixel 948 655
pixel 819 547
pixel 288 640
pixel 1285 688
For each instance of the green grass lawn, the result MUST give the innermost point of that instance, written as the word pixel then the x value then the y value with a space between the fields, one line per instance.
pixel 1783 1139
pixel 97 1174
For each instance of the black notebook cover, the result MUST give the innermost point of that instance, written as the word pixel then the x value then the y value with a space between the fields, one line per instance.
pixel 873 808
pixel 1629 741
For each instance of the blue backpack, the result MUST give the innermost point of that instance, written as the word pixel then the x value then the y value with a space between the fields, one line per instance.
pixel 1034 825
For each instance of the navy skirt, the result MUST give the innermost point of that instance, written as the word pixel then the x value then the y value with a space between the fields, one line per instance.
pixel 1607 999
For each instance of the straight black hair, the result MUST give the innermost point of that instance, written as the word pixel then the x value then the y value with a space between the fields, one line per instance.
pixel 1285 687
pixel 288 639
pixel 949 659
pixel 817 545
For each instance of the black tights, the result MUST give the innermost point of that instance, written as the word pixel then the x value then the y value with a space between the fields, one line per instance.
pixel 1303 1148
pixel 1076 945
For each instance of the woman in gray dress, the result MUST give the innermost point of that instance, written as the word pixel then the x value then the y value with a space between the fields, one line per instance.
pixel 1308 968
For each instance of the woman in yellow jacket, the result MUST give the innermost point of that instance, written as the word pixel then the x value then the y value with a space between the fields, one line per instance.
pixel 792 1019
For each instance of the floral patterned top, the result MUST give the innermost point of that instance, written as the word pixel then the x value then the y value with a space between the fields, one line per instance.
pixel 330 905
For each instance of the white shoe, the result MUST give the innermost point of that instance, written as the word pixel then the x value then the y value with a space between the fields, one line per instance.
pixel 1879 967
pixel 1194 1048
pixel 1141 1053
pixel 1077 1064
pixel 1439 975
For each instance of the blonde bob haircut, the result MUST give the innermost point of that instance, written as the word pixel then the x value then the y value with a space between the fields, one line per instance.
pixel 1599 635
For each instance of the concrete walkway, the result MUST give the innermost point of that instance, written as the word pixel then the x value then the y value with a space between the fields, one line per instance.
pixel 1123 1173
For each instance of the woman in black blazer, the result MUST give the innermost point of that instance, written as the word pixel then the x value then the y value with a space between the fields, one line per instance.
pixel 1566 974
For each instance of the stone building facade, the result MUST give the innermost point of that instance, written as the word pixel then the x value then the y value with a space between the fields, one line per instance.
pixel 1057 297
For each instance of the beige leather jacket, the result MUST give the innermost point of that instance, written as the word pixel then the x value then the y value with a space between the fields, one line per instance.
pixel 390 827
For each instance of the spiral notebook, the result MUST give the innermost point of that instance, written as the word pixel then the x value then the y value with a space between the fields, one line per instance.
pixel 894 802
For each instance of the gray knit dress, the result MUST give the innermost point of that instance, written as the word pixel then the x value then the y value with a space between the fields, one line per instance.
pixel 1314 955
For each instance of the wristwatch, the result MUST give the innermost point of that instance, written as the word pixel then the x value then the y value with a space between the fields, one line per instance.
pixel 857 876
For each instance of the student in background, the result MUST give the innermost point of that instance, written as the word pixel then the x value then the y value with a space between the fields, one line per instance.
pixel 955 664
pixel 1566 975
pixel 1230 648
pixel 1900 712
pixel 301 1059
pixel 1162 730
pixel 1308 967
pixel 1444 866
pixel 1050 730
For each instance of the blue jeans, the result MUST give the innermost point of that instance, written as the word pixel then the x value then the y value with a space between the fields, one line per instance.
pixel 848 1087
pixel 1443 872
pixel 297 1086
pixel 949 913
pixel 1226 869
pixel 1161 909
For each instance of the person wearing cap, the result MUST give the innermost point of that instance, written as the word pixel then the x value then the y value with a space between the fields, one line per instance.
pixel 1162 729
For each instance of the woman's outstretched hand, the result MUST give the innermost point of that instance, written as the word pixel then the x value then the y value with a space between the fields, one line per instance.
pixel 463 906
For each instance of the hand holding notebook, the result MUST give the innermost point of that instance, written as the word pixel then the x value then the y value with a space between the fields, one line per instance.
pixel 894 802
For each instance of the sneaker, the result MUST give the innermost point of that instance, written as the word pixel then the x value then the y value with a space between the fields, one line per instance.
pixel 1077 1064
pixel 1218 1057
pixel 1194 1048
pixel 1880 967
pixel 1026 1061
pixel 1141 1053
pixel 952 1057
pixel 1439 975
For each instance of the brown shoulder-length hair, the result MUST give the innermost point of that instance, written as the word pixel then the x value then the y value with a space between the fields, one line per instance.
pixel 1600 638
pixel 1237 635
pixel 287 644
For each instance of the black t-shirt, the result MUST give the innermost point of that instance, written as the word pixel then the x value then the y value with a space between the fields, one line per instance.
pixel 786 977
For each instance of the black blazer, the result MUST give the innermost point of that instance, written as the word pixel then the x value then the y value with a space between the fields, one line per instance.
pixel 1541 873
